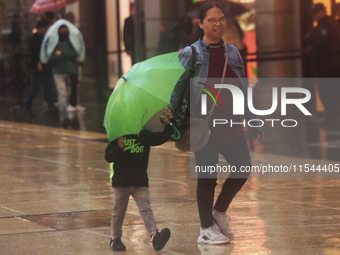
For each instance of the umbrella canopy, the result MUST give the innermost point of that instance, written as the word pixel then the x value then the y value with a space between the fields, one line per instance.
pixel 232 9
pixel 140 94
pixel 40 6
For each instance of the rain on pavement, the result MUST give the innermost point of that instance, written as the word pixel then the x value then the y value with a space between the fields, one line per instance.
pixel 56 199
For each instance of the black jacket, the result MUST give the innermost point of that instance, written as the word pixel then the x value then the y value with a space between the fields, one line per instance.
pixel 322 53
pixel 35 45
pixel 324 37
pixel 130 163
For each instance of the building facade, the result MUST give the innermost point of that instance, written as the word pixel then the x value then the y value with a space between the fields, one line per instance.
pixel 276 40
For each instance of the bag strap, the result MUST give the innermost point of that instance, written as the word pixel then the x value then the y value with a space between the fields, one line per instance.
pixel 219 91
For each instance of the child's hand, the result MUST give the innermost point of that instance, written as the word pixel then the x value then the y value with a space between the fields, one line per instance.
pixel 166 115
pixel 121 141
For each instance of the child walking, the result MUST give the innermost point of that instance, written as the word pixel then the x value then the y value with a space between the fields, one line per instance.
pixel 129 156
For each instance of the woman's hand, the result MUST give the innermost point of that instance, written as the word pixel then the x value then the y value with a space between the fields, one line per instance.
pixel 166 115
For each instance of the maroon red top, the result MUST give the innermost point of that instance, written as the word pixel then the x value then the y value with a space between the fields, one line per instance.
pixel 222 134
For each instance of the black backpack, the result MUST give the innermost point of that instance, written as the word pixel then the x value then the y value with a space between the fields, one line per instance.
pixel 183 107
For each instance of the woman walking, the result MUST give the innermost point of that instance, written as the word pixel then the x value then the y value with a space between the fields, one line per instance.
pixel 229 141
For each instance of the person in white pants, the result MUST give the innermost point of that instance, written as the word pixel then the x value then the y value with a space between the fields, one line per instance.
pixel 64 48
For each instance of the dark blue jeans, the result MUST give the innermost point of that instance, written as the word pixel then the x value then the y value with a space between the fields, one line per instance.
pixel 38 79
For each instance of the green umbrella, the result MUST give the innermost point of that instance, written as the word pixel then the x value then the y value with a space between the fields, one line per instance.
pixel 140 94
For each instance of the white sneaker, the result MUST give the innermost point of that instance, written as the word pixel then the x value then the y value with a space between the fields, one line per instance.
pixel 70 108
pixel 212 235
pixel 223 222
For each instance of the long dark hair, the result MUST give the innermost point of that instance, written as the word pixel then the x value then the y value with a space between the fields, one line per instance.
pixel 203 13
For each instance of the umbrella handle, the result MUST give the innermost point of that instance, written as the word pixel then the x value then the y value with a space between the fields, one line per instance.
pixel 177 134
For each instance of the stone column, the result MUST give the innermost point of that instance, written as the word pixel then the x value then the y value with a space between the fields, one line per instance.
pixel 278 29
pixel 86 19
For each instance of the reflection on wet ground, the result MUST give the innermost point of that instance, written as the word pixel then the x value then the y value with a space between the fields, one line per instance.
pixel 55 198
pixel 309 140
pixel 91 118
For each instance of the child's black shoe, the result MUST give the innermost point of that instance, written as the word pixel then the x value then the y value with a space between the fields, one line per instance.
pixel 160 239
pixel 117 245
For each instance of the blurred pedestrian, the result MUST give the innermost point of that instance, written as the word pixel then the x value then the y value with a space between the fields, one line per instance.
pixel 51 17
pixel 337 23
pixel 323 48
pixel 64 47
pixel 39 75
pixel 215 58
pixel 70 17
pixel 178 33
pixel 74 86
pixel 129 34
pixel 234 35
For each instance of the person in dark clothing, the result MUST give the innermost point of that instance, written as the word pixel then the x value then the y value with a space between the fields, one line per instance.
pixel 337 10
pixel 323 49
pixel 51 17
pixel 129 34
pixel 74 80
pixel 39 75
pixel 323 42
pixel 178 34
pixel 71 17
pixel 129 157
pixel 337 24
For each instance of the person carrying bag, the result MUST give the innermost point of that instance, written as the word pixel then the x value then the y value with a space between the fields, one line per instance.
pixel 195 132
pixel 214 59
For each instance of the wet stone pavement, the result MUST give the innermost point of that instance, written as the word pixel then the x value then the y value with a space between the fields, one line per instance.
pixel 309 139
pixel 89 119
pixel 56 198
